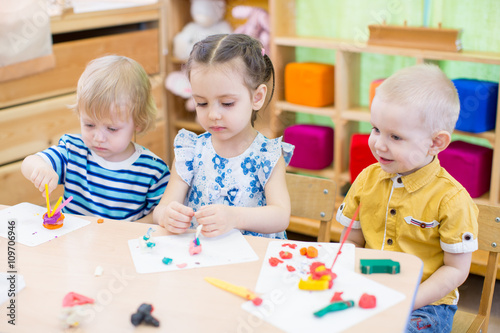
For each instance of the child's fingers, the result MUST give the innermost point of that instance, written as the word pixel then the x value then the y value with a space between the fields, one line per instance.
pixel 179 216
pixel 204 212
pixel 52 184
pixel 210 233
pixel 180 224
pixel 174 230
pixel 177 227
pixel 36 179
pixel 174 226
pixel 41 184
pixel 213 230
pixel 50 181
pixel 182 209
pixel 211 227
pixel 39 179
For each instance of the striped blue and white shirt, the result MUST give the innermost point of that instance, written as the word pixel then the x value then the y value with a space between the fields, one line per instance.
pixel 126 190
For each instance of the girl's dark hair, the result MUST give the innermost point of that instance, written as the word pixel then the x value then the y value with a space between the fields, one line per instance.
pixel 219 49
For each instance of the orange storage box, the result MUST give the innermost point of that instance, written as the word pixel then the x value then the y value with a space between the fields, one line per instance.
pixel 373 86
pixel 309 83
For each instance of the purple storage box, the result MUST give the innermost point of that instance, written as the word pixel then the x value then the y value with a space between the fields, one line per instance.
pixel 470 165
pixel 478 105
pixel 313 145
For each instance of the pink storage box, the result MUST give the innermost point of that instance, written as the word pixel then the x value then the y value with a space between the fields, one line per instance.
pixel 470 165
pixel 313 146
pixel 360 155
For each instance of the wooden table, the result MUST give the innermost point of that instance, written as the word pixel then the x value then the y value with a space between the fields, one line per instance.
pixel 182 300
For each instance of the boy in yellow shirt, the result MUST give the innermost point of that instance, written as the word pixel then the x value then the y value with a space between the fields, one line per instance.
pixel 409 203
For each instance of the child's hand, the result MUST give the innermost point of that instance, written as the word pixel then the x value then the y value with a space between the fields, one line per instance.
pixel 216 219
pixel 37 171
pixel 44 174
pixel 175 217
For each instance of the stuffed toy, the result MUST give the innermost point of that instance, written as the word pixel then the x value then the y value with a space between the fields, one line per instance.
pixel 178 83
pixel 208 20
pixel 257 24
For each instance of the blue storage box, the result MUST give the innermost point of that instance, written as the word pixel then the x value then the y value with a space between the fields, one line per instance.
pixel 478 105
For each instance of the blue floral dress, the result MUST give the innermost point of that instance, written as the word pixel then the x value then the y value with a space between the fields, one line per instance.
pixel 236 181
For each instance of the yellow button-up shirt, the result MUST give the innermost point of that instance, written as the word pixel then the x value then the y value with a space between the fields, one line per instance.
pixel 425 213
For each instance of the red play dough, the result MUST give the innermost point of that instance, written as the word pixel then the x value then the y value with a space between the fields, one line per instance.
pixel 72 299
pixel 274 261
pixel 286 255
pixel 257 301
pixel 367 301
pixel 337 296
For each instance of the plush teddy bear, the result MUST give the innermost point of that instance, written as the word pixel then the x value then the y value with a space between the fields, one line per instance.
pixel 178 83
pixel 207 20
pixel 257 24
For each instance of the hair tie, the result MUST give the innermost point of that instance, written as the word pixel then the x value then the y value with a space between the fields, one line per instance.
pixel 263 52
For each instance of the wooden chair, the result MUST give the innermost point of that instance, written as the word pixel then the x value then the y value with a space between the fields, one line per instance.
pixel 489 241
pixel 312 198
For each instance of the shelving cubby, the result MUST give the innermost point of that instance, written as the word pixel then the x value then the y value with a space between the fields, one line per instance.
pixel 347 112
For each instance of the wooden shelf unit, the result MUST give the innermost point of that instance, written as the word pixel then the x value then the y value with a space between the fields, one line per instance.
pixel 347 113
pixel 34 109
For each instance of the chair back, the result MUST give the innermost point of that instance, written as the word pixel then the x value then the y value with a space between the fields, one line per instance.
pixel 489 241
pixel 313 198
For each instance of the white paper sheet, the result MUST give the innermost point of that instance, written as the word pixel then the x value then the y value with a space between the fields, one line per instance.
pixel 291 309
pixel 29 229
pixel 230 248
pixel 271 277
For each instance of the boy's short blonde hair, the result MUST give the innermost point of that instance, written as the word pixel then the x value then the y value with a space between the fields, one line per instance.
pixel 111 82
pixel 425 89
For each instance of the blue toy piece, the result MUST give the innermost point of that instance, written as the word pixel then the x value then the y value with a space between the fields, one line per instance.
pixel 166 261
pixel 147 242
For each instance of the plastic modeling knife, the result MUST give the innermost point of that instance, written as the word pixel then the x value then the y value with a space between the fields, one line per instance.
pixel 197 235
pixel 237 290
pixel 335 306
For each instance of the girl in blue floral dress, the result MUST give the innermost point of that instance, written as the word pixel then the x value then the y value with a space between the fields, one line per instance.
pixel 231 176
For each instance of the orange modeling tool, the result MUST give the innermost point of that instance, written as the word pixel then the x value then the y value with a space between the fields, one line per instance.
pixel 346 234
pixel 237 290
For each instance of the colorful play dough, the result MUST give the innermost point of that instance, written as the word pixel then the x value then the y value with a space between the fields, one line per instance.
pixel 194 247
pixel 320 278
pixel 53 222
